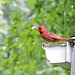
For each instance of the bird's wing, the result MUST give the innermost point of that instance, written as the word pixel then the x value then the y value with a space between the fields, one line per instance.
pixel 51 34
pixel 53 39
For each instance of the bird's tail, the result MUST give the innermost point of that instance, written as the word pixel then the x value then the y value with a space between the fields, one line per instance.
pixel 69 40
pixel 63 39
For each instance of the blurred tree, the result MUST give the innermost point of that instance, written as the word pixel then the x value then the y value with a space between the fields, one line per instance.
pixel 23 43
pixel 3 24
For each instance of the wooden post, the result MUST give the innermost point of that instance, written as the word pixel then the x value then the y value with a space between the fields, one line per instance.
pixel 62 55
pixel 73 60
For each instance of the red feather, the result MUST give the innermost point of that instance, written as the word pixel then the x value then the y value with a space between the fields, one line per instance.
pixel 49 36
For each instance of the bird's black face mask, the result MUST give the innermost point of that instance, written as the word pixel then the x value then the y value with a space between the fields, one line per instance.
pixel 40 31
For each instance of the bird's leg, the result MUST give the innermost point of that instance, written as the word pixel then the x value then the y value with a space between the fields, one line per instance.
pixel 47 44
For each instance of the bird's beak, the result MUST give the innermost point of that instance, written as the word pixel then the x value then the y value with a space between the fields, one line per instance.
pixel 37 29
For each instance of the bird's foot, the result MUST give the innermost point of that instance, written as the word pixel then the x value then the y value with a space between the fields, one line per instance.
pixel 46 44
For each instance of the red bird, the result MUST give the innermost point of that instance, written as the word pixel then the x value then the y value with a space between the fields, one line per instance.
pixel 49 36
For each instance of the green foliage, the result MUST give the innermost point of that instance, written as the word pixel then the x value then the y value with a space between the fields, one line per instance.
pixel 24 44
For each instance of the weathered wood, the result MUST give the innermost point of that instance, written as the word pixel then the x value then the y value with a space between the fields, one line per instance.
pixel 62 55
pixel 73 62
pixel 59 54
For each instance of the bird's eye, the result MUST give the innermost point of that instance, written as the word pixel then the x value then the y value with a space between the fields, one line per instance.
pixel 40 28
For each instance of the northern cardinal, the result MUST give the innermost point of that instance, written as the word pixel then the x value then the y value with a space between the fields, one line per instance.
pixel 49 36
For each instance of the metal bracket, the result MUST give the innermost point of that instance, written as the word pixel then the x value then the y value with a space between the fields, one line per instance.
pixel 72 43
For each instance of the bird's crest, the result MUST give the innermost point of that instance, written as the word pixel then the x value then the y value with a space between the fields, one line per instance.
pixel 42 26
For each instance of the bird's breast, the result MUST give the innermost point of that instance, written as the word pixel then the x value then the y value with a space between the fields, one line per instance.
pixel 45 37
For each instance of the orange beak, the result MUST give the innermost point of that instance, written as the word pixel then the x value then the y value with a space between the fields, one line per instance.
pixel 37 29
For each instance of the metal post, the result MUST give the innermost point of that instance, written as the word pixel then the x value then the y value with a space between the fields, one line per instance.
pixel 73 60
